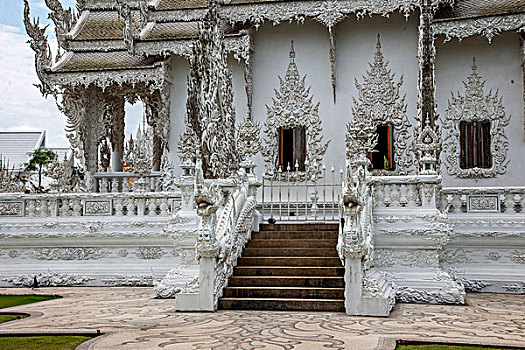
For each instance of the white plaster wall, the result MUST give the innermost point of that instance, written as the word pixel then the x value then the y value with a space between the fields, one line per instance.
pixel 499 64
pixel 178 73
pixel 356 45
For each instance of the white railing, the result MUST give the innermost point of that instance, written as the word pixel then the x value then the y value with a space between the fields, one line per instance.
pixel 285 199
pixel 508 200
pixel 233 230
pixel 404 191
pixel 115 182
pixel 88 204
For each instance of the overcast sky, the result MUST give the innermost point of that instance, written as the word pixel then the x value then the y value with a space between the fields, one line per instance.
pixel 22 107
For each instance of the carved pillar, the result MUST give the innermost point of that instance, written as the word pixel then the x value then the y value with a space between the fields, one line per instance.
pixel 95 131
pixel 116 108
pixel 427 137
pixel 157 115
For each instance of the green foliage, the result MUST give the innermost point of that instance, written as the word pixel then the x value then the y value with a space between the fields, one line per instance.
pixel 11 317
pixel 38 161
pixel 14 300
pixel 42 342
pixel 444 347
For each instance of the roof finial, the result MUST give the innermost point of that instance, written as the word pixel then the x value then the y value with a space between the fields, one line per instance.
pixel 292 53
pixel 474 67
pixel 378 45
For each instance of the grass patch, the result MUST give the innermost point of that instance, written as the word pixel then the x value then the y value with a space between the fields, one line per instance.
pixel 14 300
pixel 7 318
pixel 445 347
pixel 42 342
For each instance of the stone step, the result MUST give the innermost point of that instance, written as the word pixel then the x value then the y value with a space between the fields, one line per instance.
pixel 295 235
pixel 287 271
pixel 287 281
pixel 335 305
pixel 292 243
pixel 299 227
pixel 284 292
pixel 288 261
pixel 317 252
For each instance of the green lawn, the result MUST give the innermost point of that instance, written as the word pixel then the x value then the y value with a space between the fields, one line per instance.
pixel 444 347
pixel 42 343
pixel 14 300
pixel 7 318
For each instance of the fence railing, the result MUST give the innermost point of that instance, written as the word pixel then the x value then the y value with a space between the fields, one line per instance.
pixel 508 200
pixel 286 199
pixel 88 204
pixel 115 182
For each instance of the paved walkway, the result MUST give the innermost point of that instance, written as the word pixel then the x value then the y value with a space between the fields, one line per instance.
pixel 131 319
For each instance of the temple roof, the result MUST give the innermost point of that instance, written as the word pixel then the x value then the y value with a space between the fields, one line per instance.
pixel 15 146
pixel 479 8
pixel 93 61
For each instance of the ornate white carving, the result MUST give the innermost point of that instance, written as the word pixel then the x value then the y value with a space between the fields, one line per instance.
pixel 478 203
pixel 211 81
pixel 452 295
pixel 149 253
pixel 380 103
pixel 69 254
pixel 248 141
pixel 166 288
pixel 11 208
pixel 474 286
pixel 130 280
pixel 97 207
pixel 488 27
pixel 475 105
pixel 327 12
pixel 292 107
pixel 48 279
pixel 517 256
pixel 456 256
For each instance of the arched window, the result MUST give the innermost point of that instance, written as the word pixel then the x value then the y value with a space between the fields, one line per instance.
pixel 292 148
pixel 382 157
pixel 475 144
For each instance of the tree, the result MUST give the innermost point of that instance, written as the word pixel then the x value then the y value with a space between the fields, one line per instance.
pixel 38 161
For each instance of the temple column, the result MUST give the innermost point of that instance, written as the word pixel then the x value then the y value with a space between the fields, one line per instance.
pixel 157 115
pixel 94 127
pixel 117 132
pixel 427 137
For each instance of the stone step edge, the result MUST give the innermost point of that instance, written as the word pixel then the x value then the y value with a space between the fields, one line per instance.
pixel 289 288
pixel 285 276
pixel 281 299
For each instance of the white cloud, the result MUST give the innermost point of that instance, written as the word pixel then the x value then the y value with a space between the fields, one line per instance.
pixel 22 107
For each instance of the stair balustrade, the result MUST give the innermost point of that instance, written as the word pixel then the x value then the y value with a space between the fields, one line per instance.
pixel 227 215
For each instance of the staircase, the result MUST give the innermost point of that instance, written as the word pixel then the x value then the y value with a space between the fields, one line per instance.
pixel 288 267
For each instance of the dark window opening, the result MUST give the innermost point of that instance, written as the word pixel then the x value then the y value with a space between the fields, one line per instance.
pixel 292 148
pixel 382 158
pixel 475 144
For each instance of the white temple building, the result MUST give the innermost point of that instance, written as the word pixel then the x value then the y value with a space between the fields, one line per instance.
pixel 338 155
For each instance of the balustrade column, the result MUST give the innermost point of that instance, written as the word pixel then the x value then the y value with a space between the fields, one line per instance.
pixel 117 132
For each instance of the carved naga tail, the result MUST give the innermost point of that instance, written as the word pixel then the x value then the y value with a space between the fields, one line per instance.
pixel 39 44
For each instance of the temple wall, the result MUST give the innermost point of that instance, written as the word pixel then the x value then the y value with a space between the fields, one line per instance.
pixel 356 46
pixel 499 64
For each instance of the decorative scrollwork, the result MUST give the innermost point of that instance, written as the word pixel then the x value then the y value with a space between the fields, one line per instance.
pixel 210 99
pixel 292 107
pixel 380 103
pixel 488 27
pixel 475 105
pixel 248 141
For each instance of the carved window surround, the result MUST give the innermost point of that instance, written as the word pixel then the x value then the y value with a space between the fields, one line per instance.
pixel 475 105
pixel 379 101
pixel 488 27
pixel 293 108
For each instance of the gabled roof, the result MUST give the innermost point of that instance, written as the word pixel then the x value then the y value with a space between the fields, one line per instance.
pixel 479 8
pixel 15 145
